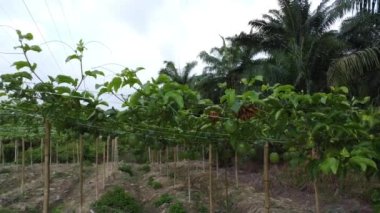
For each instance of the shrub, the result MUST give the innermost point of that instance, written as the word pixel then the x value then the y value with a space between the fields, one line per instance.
pixel 126 168
pixel 176 208
pixel 164 198
pixel 154 184
pixel 145 168
pixel 116 200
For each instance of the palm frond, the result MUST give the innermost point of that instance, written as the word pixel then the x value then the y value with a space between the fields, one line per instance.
pixel 347 68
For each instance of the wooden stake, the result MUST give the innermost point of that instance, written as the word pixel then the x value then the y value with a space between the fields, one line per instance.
pixel 16 152
pixel 149 155
pixel 266 178
pixel 56 152
pixel 96 166
pixel 108 155
pixel 31 152
pixel 104 164
pixel 188 182
pixel 217 164
pixel 210 178
pixel 1 152
pixel 22 165
pixel 175 164
pixel 47 127
pixel 167 161
pixel 81 177
pixel 236 170
pixel 203 158
pixel 315 185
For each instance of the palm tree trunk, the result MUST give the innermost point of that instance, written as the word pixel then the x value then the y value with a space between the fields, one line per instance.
pixel 217 163
pixel 203 158
pixel 47 127
pixel 104 165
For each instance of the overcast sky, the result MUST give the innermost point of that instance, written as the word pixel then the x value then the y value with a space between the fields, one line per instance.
pixel 132 33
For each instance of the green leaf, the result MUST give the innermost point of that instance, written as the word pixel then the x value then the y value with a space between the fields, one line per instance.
pixel 329 164
pixel 344 90
pixel 278 114
pixel 175 96
pixel 230 126
pixel 94 73
pixel 65 79
pixel 236 106
pixel 229 97
pixel 344 153
pixel 35 48
pixel 62 90
pixel 363 162
pixel 28 36
pixel 115 84
pixel 72 57
pixel 20 64
pixel 24 75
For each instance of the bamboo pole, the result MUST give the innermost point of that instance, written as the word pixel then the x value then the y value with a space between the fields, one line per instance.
pixel 266 178
pixel 210 178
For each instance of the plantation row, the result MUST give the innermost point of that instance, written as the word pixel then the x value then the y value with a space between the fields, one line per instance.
pixel 325 133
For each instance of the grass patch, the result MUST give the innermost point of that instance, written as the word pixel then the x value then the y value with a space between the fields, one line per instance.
pixel 117 200
pixel 127 169
pixel 154 184
pixel 177 208
pixel 145 168
pixel 164 198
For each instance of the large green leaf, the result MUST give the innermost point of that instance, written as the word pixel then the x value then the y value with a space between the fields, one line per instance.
pixel 175 96
pixel 363 162
pixel 20 64
pixel 65 79
pixel 329 165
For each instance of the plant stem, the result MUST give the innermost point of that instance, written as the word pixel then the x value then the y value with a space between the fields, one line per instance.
pixel 81 177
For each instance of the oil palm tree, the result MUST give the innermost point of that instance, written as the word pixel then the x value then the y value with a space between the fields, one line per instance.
pixel 226 64
pixel 302 37
pixel 359 66
pixel 181 76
